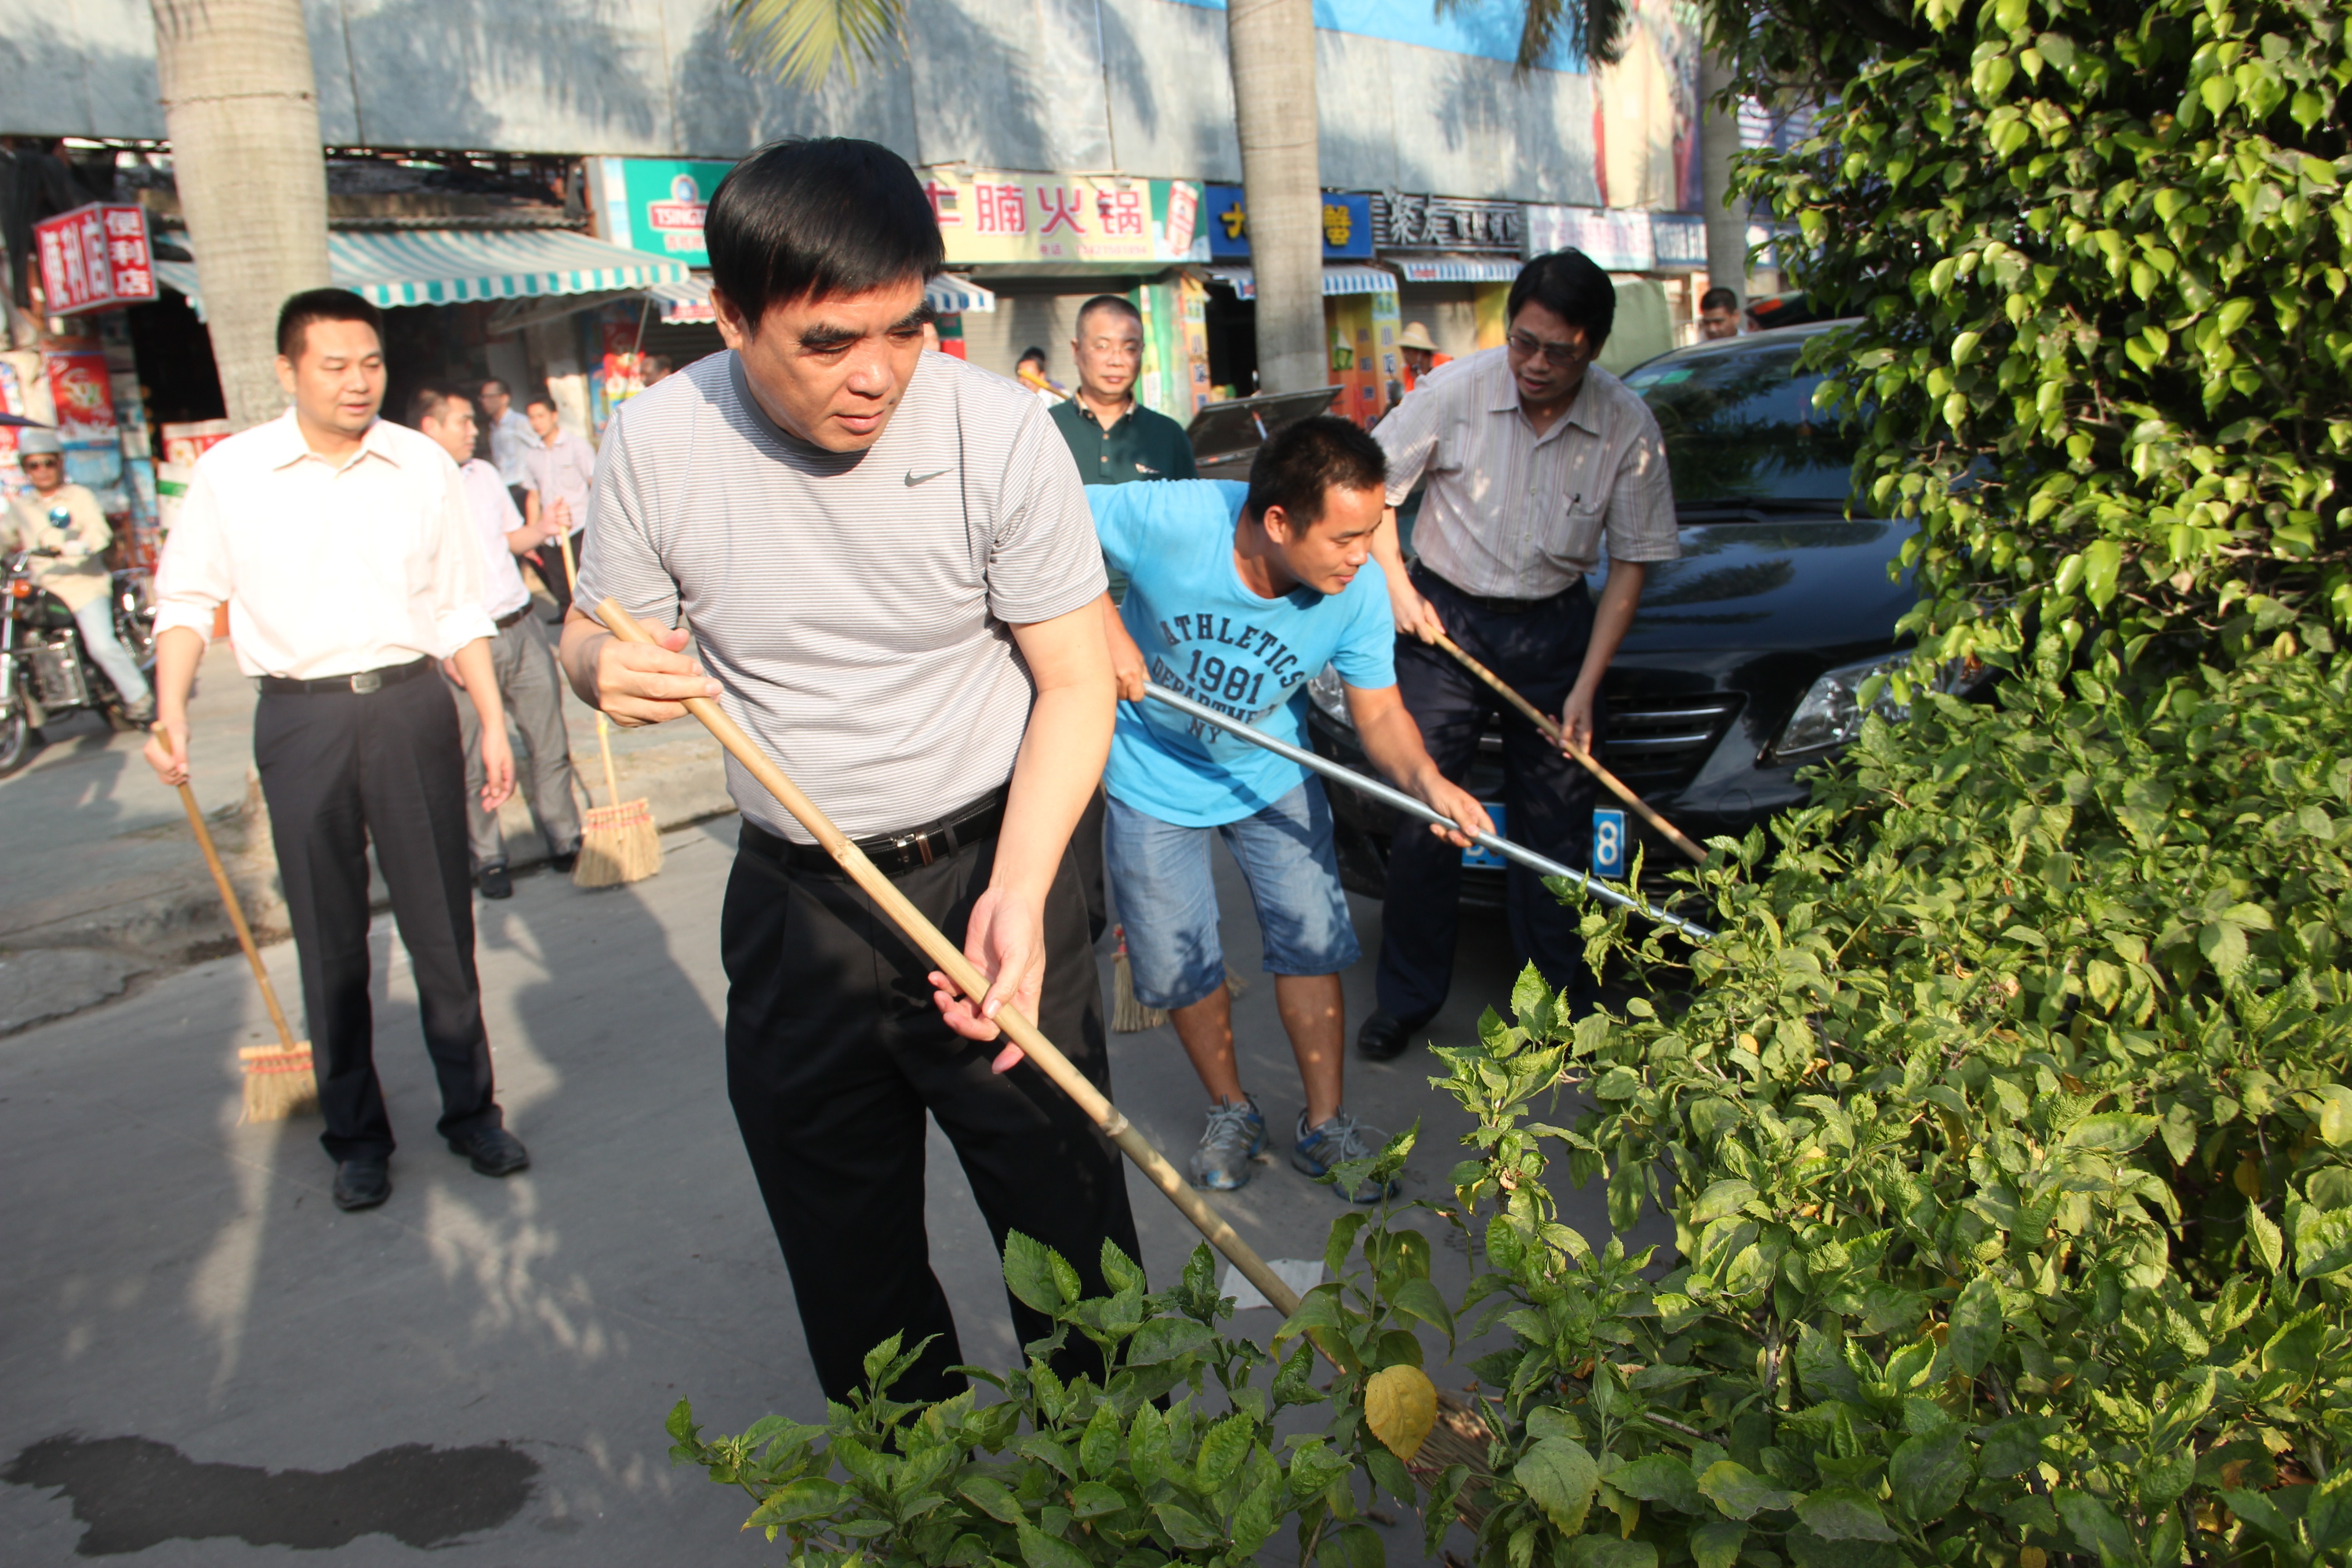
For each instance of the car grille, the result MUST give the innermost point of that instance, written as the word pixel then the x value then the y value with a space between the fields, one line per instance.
pixel 1656 745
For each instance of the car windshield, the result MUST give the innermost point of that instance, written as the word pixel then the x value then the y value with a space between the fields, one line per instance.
pixel 1741 426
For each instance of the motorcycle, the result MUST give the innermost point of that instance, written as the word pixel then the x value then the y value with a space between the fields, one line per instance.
pixel 45 671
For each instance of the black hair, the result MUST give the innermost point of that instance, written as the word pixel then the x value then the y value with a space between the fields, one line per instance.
pixel 426 403
pixel 1028 354
pixel 662 360
pixel 1119 302
pixel 1718 299
pixel 540 400
pixel 295 316
pixel 491 381
pixel 1571 286
pixel 803 220
pixel 1296 468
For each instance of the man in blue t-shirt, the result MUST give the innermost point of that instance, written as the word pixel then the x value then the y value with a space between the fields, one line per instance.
pixel 1237 595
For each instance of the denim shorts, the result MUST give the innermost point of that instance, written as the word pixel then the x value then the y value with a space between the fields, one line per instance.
pixel 1160 874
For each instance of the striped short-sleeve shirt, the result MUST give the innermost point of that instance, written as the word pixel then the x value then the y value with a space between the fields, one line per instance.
pixel 853 608
pixel 1510 514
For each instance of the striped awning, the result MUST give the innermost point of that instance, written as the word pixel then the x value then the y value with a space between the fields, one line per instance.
pixel 1457 269
pixel 448 267
pixel 1336 280
pixel 688 300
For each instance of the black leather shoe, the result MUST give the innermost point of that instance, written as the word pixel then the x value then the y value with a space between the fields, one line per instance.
pixel 562 864
pixel 1384 1036
pixel 495 1152
pixel 362 1184
pixel 496 883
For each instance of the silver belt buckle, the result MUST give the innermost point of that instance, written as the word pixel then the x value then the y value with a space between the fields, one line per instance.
pixel 367 680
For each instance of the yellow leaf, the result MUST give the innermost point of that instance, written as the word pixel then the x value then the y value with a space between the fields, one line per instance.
pixel 1400 1406
pixel 2032 1557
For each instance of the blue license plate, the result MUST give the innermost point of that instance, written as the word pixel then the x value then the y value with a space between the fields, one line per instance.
pixel 1608 842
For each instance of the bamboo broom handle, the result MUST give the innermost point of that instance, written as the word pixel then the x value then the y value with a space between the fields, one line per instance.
pixel 237 917
pixel 1617 786
pixel 604 736
pixel 973 984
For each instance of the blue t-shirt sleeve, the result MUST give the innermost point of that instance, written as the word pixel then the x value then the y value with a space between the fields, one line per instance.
pixel 1121 522
pixel 1366 657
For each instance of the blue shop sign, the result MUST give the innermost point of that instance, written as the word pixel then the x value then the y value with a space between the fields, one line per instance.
pixel 1347 225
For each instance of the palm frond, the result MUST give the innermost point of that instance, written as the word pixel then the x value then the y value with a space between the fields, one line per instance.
pixel 801 41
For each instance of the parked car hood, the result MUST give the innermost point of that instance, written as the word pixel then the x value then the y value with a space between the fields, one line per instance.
pixel 1778 584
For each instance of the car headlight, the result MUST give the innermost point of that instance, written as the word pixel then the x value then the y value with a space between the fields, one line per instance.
pixel 1831 713
pixel 1330 693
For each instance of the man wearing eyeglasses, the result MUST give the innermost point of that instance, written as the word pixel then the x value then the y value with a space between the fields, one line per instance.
pixel 64 519
pixel 1533 456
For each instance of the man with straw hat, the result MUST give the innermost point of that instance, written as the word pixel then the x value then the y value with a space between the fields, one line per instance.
pixel 888 566
pixel 1419 351
pixel 518 652
pixel 1534 456
pixel 354 734
pixel 64 517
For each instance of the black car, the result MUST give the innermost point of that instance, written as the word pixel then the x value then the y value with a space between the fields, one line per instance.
pixel 1745 659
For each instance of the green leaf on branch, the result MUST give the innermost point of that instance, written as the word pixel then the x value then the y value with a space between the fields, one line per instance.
pixel 1561 1479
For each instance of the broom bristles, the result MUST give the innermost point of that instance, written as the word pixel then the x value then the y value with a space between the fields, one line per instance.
pixel 279 1083
pixel 1128 1016
pixel 617 844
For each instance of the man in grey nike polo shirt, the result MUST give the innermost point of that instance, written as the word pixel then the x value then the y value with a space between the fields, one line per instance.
pixel 888 569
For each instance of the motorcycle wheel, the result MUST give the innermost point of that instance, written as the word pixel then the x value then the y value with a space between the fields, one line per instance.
pixel 16 739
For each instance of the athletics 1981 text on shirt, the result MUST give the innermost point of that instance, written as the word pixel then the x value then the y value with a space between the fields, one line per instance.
pixel 1205 633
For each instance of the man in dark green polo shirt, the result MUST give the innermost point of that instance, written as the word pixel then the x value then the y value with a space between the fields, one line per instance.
pixel 1115 438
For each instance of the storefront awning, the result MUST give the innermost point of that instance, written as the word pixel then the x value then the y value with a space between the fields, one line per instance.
pixel 688 300
pixel 1336 280
pixel 448 267
pixel 1457 269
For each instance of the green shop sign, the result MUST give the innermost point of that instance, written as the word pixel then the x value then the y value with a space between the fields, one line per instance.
pixel 654 205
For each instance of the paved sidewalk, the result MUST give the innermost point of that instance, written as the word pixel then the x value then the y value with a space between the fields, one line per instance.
pixel 103 879
pixel 203 1356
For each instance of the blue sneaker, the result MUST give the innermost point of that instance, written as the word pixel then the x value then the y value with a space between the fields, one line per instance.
pixel 1341 1139
pixel 1235 1134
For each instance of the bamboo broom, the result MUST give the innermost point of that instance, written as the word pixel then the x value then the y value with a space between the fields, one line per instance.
pixel 279 1081
pixel 618 840
pixel 934 945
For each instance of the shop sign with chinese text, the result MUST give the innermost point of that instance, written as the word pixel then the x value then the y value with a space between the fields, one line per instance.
pixel 656 205
pixel 1401 222
pixel 1617 239
pixel 1347 225
pixel 998 217
pixel 94 258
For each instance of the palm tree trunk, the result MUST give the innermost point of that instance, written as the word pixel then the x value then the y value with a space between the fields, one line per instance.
pixel 1726 214
pixel 241 108
pixel 1272 46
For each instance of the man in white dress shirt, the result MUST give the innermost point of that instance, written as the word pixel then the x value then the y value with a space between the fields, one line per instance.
pixel 344 551
pixel 519 653
pixel 512 438
pixel 556 475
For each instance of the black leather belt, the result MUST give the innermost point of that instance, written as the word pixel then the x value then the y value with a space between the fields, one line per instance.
pixel 364 681
pixel 892 852
pixel 1422 575
pixel 505 621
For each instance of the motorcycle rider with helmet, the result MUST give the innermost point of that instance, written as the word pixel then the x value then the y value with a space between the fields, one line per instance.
pixel 64 519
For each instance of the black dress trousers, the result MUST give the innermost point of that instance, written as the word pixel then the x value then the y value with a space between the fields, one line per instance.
pixel 835 1052
pixel 341 770
pixel 1539 651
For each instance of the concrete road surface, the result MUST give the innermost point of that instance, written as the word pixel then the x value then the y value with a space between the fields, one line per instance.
pixel 205 1363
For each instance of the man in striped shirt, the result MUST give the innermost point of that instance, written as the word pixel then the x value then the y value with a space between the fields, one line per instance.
pixel 1533 455
pixel 888 569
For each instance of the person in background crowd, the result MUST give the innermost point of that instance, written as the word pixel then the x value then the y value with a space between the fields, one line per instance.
pixel 1532 454
pixel 1115 438
pixel 1419 351
pixel 885 560
pixel 1029 370
pixel 343 547
pixel 512 440
pixel 557 473
pixel 1239 594
pixel 520 655
pixel 64 518
pixel 657 369
pixel 1718 314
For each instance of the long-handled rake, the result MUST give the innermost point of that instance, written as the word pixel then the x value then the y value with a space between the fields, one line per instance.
pixel 959 969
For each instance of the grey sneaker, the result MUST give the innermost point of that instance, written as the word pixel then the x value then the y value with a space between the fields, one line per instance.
pixel 1340 1139
pixel 1235 1134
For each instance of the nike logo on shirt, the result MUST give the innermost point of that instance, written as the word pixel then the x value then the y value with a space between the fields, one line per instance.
pixel 915 478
